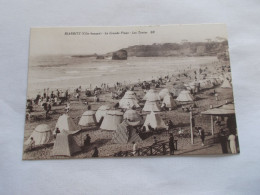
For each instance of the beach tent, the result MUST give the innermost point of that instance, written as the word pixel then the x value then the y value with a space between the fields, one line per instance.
pixel 152 103
pixel 128 101
pixel 163 93
pixel 169 102
pixel 125 134
pixel 132 115
pixel 214 81
pixel 226 84
pixel 65 145
pixel 88 118
pixel 185 96
pixel 130 95
pixel 155 121
pixel 41 135
pixel 101 112
pixel 65 123
pixel 151 94
pixel 177 91
pixel 111 120
pixel 205 84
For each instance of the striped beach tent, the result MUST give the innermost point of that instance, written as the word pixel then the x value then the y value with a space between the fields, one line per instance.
pixel 125 134
pixel 65 145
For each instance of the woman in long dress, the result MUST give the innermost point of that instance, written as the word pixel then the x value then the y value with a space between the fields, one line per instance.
pixel 232 143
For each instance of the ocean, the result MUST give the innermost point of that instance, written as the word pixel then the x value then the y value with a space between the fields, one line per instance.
pixel 66 72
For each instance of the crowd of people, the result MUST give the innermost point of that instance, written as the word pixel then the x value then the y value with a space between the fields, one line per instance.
pixel 48 98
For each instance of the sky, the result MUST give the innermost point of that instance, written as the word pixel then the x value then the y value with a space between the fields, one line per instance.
pixel 101 40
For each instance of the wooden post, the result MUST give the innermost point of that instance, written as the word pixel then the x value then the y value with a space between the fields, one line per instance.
pixel 191 129
pixel 212 122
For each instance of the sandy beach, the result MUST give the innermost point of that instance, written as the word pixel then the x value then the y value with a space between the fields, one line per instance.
pixel 102 139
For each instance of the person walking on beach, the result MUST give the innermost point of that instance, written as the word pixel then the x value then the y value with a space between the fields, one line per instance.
pixel 232 143
pixel 202 135
pixel 95 153
pixel 216 96
pixel 171 144
pixel 155 140
pixel 87 140
pixel 31 144
pixel 223 141
pixel 170 125
pixel 56 132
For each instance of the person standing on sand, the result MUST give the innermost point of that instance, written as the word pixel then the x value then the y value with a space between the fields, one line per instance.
pixel 223 141
pixel 87 140
pixel 155 141
pixel 202 135
pixel 216 96
pixel 232 143
pixel 31 144
pixel 95 153
pixel 171 144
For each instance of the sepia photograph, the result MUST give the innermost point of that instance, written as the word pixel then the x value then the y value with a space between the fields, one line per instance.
pixel 130 91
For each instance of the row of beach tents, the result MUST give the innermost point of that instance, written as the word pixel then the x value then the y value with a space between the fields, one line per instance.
pixel 115 120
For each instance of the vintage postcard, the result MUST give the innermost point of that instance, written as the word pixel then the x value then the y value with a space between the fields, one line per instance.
pixel 129 91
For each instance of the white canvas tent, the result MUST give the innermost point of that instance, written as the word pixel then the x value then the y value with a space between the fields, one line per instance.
pixel 65 123
pixel 65 145
pixel 101 112
pixel 151 94
pixel 126 102
pixel 130 95
pixel 185 96
pixel 111 120
pixel 41 135
pixel 151 106
pixel 169 102
pixel 132 115
pixel 88 118
pixel 163 93
pixel 152 103
pixel 226 84
pixel 125 134
pixel 155 121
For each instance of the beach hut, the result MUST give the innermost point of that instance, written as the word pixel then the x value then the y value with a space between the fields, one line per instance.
pixel 41 135
pixel 65 123
pixel 101 112
pixel 125 134
pixel 111 120
pixel 151 94
pixel 88 118
pixel 155 121
pixel 185 96
pixel 226 84
pixel 169 102
pixel 163 93
pixel 65 145
pixel 132 115
pixel 226 110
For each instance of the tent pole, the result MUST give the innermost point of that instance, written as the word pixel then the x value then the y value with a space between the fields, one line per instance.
pixel 191 130
pixel 212 122
pixel 212 125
